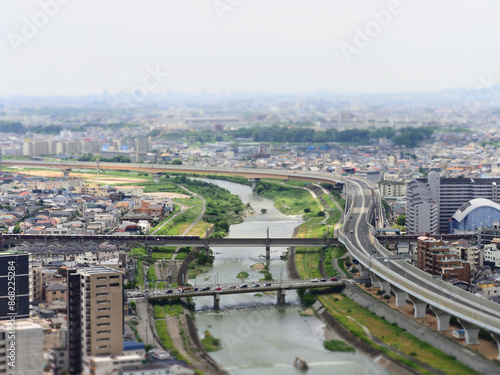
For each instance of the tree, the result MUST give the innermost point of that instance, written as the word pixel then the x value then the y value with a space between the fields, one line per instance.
pixel 401 220
pixel 177 162
pixel 17 229
pixel 223 226
pixel 307 210
pixel 263 210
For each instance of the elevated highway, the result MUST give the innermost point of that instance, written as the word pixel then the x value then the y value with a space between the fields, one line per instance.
pixel 407 282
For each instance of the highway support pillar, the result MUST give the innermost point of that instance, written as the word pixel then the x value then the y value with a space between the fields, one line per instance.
pixel 401 297
pixel 471 332
pixel 496 337
pixel 443 319
pixel 384 285
pixel 363 270
pixel 375 280
pixel 156 177
pixel 66 173
pixel 419 307
pixel 217 301
pixel 281 296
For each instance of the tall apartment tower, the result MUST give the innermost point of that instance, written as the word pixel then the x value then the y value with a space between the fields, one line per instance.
pixel 95 314
pixel 14 285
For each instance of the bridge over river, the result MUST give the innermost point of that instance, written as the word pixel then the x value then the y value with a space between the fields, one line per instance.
pixel 173 241
pixel 220 289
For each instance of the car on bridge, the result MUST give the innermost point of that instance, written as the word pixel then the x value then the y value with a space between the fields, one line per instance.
pixel 218 288
pixel 244 286
pixel 204 288
pixel 256 285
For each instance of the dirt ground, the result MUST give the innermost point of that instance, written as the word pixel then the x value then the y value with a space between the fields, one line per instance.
pixel 486 348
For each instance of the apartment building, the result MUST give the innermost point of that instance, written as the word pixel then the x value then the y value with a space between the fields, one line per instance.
pixel 449 194
pixel 392 188
pixel 95 314
pixel 435 258
pixel 421 210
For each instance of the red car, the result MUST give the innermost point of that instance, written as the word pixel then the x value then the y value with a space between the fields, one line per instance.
pixel 218 288
pixel 333 279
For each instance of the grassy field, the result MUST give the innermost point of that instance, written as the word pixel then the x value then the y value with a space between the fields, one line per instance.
pixel 200 229
pixel 288 199
pixel 178 225
pixel 151 275
pixel 312 228
pixel 352 316
pixel 139 275
pixel 163 187
pixel 307 262
pixel 338 252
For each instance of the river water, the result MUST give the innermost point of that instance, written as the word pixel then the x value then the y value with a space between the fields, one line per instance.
pixel 257 336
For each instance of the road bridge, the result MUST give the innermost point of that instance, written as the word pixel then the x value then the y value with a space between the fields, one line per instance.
pixel 222 289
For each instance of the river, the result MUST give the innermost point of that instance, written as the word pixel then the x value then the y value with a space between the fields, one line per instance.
pixel 257 336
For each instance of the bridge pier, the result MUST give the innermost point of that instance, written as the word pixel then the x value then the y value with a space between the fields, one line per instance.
pixel 66 172
pixel 217 301
pixel 497 340
pixel 443 319
pixel 254 183
pixel 156 177
pixel 419 307
pixel 268 252
pixel 401 297
pixel 471 332
pixel 374 279
pixel 382 284
pixel 363 271
pixel 281 296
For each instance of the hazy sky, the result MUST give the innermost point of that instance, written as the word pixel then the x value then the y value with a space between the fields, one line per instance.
pixel 88 46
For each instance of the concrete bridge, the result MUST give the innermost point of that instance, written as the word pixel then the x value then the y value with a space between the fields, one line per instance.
pixel 173 241
pixel 221 289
